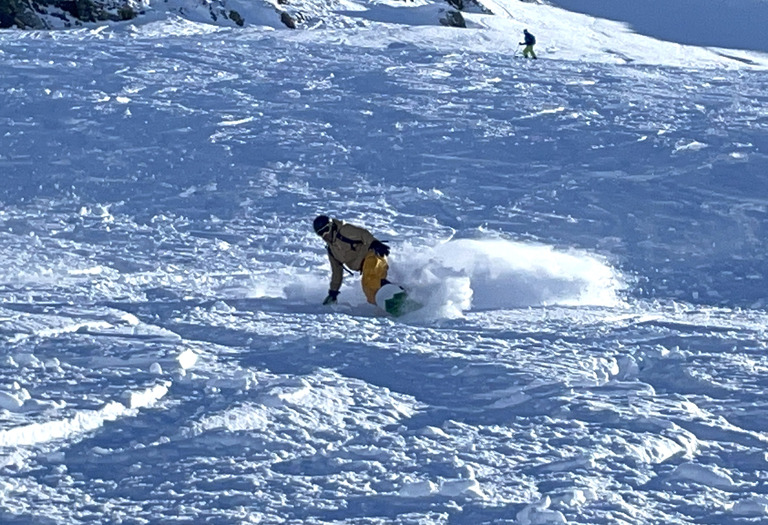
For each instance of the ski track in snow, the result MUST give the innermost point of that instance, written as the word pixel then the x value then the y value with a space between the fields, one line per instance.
pixel 592 237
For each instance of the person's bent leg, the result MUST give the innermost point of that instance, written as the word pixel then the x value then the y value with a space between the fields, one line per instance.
pixel 375 269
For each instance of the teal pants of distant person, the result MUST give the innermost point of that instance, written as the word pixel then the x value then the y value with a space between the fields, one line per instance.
pixel 528 50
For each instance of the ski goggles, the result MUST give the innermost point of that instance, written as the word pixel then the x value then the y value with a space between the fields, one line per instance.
pixel 325 229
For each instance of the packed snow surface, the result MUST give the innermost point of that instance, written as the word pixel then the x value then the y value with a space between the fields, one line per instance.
pixel 587 232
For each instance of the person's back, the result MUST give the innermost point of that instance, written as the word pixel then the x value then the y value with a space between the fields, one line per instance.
pixel 529 38
pixel 529 42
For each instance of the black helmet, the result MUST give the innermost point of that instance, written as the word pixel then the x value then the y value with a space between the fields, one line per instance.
pixel 320 223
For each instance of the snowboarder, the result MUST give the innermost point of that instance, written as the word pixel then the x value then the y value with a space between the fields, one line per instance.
pixel 529 42
pixel 352 248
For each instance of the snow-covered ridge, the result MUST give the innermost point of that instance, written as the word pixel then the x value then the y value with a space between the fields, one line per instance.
pixel 53 14
pixel 488 25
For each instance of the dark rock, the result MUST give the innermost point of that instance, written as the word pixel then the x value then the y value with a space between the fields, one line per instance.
pixel 236 18
pixel 288 20
pixel 453 19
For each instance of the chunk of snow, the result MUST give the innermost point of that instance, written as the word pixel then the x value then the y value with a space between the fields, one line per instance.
pixel 10 401
pixel 418 489
pixel 148 397
pixel 187 359
pixel 462 487
pixel 539 513
pixel 704 475
pixel 755 506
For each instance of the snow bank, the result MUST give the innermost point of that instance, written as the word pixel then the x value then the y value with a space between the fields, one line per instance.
pixel 84 421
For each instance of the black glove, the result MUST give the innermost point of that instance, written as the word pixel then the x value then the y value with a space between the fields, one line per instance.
pixel 331 298
pixel 379 248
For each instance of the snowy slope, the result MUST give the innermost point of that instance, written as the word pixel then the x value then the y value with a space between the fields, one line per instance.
pixel 717 23
pixel 588 231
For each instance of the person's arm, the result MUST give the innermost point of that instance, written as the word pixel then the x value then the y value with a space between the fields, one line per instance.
pixel 337 273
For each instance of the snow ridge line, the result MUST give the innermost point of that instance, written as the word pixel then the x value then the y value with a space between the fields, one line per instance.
pixel 40 433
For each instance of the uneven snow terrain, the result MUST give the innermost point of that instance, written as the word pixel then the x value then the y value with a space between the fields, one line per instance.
pixel 588 233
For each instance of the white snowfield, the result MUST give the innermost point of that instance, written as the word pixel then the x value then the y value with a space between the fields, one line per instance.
pixel 587 232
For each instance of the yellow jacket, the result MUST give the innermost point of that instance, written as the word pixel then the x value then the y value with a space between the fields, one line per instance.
pixel 348 246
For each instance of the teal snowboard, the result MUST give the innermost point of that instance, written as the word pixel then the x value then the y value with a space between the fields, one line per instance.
pixel 394 300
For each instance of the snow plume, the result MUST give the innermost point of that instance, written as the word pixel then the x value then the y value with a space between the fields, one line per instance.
pixel 495 274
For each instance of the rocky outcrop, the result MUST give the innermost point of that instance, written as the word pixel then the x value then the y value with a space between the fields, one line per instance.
pixel 16 13
pixel 453 19
pixel 288 20
pixel 33 15
pixel 57 14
